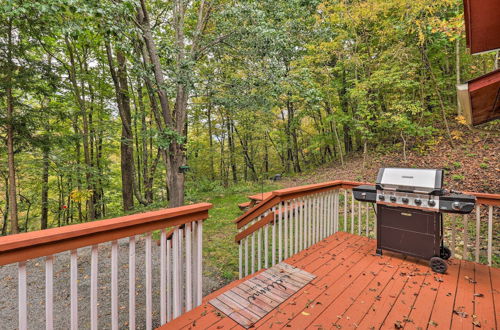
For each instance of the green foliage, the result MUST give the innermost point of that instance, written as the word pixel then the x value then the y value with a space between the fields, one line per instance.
pixel 457 177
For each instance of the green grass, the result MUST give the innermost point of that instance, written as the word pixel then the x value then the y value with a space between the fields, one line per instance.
pixel 220 252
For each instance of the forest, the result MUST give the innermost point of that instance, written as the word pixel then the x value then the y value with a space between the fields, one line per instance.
pixel 109 107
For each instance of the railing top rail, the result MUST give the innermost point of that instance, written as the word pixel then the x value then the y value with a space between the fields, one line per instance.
pixel 280 195
pixel 19 247
pixel 484 198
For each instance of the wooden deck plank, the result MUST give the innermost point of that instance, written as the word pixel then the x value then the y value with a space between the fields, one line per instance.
pixel 384 302
pixel 434 291
pixel 346 248
pixel 403 305
pixel 353 314
pixel 356 289
pixel 463 308
pixel 367 282
pixel 308 303
pixel 442 310
pixel 495 284
pixel 484 308
pixel 358 263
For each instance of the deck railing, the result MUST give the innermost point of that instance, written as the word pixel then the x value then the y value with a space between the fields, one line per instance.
pixel 290 220
pixel 180 266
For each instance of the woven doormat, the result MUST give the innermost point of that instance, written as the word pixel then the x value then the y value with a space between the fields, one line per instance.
pixel 253 299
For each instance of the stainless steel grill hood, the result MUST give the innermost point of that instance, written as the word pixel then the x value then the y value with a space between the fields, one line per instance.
pixel 412 180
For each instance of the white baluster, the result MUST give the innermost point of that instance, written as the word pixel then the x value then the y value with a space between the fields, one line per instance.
pixel 74 289
pixel 274 236
pixel 189 281
pixel 453 234
pixel 240 260
pixel 285 232
pixel 310 220
pixel 367 219
pixel 114 285
pixel 296 222
pixel 352 212
pixel 466 235
pixel 280 232
pixel 259 248
pixel 199 264
pixel 253 253
pixel 359 218
pixel 149 300
pixel 266 246
pixel 490 233
pixel 94 276
pixel 304 224
pixel 345 210
pixel 22 300
pixel 49 292
pixel 163 277
pixel 336 211
pixel 169 280
pixel 478 230
pixel 131 282
pixel 176 300
pixel 246 256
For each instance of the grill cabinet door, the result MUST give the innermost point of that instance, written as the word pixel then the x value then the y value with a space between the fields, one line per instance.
pixel 408 231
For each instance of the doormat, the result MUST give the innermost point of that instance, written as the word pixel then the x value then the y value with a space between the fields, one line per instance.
pixel 253 299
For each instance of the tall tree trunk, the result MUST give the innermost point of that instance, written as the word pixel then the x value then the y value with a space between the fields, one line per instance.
pixel 457 69
pixel 344 105
pixel 211 141
pixel 230 141
pixel 80 99
pixel 45 189
pixel 14 225
pixel 177 125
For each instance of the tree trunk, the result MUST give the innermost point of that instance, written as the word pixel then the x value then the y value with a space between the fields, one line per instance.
pixel 45 189
pixel 457 68
pixel 14 225
pixel 211 141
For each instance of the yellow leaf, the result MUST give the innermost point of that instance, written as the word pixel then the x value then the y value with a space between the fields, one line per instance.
pixel 306 313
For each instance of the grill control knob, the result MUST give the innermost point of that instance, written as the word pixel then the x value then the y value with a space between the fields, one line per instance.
pixel 455 205
pixel 405 200
pixel 393 198
pixel 418 201
pixel 431 202
pixel 381 197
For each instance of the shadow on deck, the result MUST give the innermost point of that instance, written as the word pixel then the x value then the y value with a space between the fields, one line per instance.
pixel 354 288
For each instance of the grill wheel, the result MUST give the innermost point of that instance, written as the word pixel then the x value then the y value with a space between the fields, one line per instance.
pixel 438 265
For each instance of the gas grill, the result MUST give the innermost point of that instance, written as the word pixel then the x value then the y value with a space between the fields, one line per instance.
pixel 410 205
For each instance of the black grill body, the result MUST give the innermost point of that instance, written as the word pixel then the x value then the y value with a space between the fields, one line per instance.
pixel 412 232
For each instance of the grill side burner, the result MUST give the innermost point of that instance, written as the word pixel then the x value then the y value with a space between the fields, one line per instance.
pixel 410 203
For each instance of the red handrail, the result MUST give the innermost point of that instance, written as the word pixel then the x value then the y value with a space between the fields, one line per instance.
pixel 20 247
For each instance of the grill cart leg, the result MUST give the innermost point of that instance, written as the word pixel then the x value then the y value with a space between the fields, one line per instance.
pixel 378 252
pixel 445 253
pixel 438 265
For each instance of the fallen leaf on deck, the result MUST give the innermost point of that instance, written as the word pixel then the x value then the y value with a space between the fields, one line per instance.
pixel 306 313
pixel 431 322
pixel 478 295
pixel 477 324
pixel 461 314
pixel 398 325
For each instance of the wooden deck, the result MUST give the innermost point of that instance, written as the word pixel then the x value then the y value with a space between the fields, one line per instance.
pixel 356 289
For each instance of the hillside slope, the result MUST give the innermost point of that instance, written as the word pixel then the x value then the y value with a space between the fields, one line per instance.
pixel 472 164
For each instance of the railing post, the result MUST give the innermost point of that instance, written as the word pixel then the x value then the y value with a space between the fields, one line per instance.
pixel 199 255
pixel 49 292
pixel 131 283
pixel 74 289
pixel 21 287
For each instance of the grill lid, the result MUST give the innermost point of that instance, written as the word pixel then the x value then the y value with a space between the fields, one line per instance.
pixel 414 180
